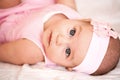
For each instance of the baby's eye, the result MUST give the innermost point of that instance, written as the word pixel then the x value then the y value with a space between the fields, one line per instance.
pixel 72 32
pixel 67 52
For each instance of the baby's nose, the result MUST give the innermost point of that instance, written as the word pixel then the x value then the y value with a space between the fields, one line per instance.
pixel 61 39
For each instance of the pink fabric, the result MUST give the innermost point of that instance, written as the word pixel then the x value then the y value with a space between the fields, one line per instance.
pixel 105 30
pixel 26 5
pixel 98 47
pixel 28 24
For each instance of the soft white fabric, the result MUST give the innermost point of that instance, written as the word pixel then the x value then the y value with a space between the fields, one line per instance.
pixel 40 72
pixel 105 10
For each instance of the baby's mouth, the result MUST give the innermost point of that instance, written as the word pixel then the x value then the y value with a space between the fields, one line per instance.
pixel 49 39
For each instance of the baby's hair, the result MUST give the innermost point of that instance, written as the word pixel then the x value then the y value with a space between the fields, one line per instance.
pixel 111 58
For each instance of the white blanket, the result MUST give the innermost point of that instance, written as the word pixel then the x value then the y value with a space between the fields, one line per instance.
pixel 104 10
pixel 40 72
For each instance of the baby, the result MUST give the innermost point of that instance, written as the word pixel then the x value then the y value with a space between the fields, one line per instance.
pixel 83 45
pixel 57 35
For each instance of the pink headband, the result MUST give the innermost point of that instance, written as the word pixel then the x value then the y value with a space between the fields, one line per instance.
pixel 97 48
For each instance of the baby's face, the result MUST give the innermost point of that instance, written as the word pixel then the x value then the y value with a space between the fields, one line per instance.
pixel 67 41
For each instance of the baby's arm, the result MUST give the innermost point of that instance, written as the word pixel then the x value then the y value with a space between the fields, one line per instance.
pixel 70 3
pixel 20 52
pixel 9 3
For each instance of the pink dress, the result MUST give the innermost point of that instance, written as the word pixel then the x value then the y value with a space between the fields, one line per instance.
pixel 28 22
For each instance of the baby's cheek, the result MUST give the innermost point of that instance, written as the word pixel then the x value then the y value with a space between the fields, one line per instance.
pixel 51 54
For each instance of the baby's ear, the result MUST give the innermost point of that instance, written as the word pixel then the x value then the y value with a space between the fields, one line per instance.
pixel 69 69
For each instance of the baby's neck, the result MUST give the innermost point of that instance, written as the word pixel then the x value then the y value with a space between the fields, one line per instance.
pixel 54 19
